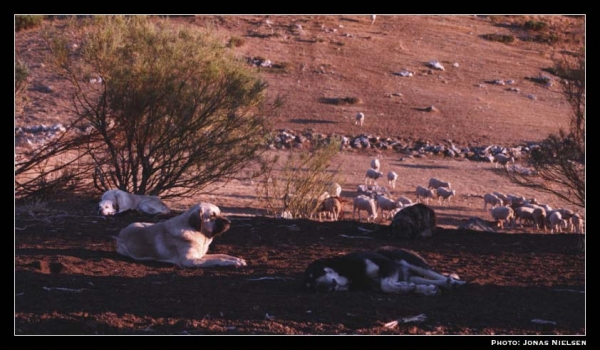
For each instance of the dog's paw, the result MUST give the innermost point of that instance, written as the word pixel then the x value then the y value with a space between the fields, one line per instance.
pixel 452 282
pixel 428 289
pixel 239 262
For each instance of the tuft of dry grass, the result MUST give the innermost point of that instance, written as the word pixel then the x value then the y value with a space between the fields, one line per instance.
pixel 340 100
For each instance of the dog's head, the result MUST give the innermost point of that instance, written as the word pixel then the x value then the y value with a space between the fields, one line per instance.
pixel 320 278
pixel 108 207
pixel 206 218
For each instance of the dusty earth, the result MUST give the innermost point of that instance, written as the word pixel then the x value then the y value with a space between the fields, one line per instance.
pixel 69 280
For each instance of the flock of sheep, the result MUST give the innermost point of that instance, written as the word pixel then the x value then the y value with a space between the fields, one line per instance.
pixel 376 201
pixel 510 209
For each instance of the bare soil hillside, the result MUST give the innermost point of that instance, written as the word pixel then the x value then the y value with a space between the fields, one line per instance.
pixel 70 280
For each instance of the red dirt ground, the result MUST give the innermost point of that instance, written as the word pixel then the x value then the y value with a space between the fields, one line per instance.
pixel 70 280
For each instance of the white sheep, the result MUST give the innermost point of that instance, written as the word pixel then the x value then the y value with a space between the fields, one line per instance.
pixel 372 176
pixel 360 119
pixel 371 190
pixel 435 183
pixel 335 189
pixel 444 193
pixel 405 201
pixel 539 218
pixel 503 214
pixel 556 222
pixel 503 159
pixel 392 177
pixel 384 203
pixel 525 214
pixel 492 199
pixel 331 206
pixel 375 164
pixel 577 223
pixel 515 199
pixel 425 193
pixel 505 199
pixel 362 202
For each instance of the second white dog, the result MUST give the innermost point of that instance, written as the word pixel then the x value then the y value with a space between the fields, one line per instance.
pixel 117 201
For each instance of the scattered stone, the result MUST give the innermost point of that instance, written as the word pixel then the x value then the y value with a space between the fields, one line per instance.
pixel 431 109
pixel 405 73
pixel 435 64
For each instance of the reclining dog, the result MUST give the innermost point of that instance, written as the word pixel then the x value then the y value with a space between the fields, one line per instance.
pixel 182 240
pixel 388 270
pixel 118 201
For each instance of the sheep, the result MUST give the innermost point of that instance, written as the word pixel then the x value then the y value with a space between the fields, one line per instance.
pixel 372 176
pixel 393 212
pixel 567 214
pixel 503 214
pixel 425 193
pixel 576 223
pixel 323 196
pixel 372 190
pixel 505 198
pixel 335 189
pixel 331 206
pixel 524 214
pixel 517 200
pixel 384 203
pixel 539 218
pixel 360 119
pixel 405 201
pixel 392 177
pixel 435 183
pixel 556 222
pixel 362 202
pixel 503 159
pixel 444 193
pixel 375 164
pixel 492 199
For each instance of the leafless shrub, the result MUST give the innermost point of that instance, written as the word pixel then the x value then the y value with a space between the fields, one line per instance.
pixel 302 179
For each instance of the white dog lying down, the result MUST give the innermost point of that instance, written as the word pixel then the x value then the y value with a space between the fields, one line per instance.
pixel 117 201
pixel 182 240
pixel 388 270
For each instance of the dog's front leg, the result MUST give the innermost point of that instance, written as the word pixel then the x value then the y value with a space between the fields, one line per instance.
pixel 392 285
pixel 215 260
pixel 435 277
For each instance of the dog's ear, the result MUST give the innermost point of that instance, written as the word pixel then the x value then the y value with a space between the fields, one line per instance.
pixel 195 220
pixel 116 202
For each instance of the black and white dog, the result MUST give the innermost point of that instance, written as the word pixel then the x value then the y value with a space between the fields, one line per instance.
pixel 389 270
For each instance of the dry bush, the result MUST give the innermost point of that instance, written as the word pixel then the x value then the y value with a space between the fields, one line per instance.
pixel 303 177
pixel 340 100
pixel 503 38
pixel 23 22
pixel 175 111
